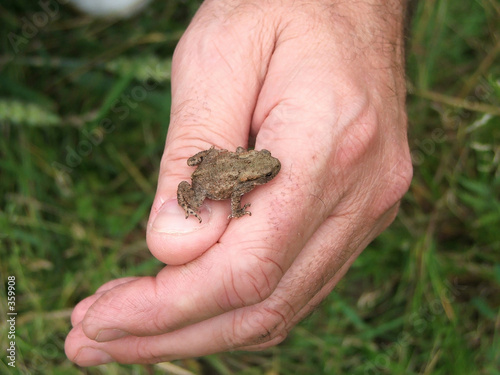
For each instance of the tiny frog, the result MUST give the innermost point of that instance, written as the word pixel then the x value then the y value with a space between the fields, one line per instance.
pixel 222 174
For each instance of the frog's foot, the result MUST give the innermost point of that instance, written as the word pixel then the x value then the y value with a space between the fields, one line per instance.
pixel 190 211
pixel 240 212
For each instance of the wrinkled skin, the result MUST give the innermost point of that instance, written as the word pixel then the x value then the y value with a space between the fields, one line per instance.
pixel 320 85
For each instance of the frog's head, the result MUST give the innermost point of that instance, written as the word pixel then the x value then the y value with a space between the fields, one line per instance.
pixel 262 168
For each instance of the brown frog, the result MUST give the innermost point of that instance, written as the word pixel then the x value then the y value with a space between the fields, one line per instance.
pixel 222 174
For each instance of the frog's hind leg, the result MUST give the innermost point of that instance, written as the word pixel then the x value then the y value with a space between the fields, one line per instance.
pixel 187 200
pixel 236 209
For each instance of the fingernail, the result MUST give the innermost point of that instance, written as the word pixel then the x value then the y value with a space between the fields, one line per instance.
pixel 171 219
pixel 88 356
pixel 109 334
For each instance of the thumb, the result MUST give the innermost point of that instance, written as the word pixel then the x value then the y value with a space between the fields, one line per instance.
pixel 214 91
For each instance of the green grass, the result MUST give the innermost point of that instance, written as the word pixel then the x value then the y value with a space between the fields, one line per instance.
pixel 79 162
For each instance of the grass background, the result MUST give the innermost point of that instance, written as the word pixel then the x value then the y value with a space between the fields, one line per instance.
pixel 422 299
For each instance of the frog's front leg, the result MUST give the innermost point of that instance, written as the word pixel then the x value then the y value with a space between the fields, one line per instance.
pixel 188 199
pixel 236 209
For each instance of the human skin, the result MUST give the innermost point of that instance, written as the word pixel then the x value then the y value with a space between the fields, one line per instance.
pixel 321 85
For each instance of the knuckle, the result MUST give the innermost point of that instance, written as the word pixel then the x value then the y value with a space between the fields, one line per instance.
pixel 396 182
pixel 252 279
pixel 365 141
pixel 257 327
pixel 358 138
pixel 145 352
pixel 403 175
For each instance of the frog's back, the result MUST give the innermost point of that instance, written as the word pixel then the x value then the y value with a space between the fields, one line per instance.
pixel 217 175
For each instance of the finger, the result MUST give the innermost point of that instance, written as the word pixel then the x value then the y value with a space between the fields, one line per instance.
pixel 81 308
pixel 249 328
pixel 227 277
pixel 216 75
pixel 317 278
pixel 113 283
pixel 243 268
pixel 315 273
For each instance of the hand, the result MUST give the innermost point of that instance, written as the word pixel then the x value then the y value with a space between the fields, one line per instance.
pixel 320 85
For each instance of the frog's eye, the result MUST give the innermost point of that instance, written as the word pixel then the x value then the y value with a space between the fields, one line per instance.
pixel 269 174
